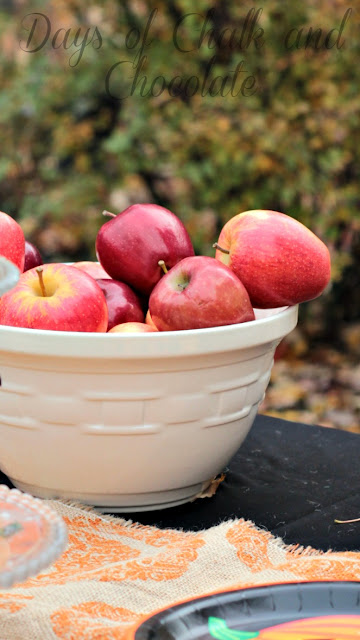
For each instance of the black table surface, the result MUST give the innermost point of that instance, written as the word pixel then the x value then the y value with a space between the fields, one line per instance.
pixel 289 478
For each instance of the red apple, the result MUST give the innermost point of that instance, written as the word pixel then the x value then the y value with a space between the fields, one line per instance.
pixel 55 297
pixel 130 245
pixel 132 327
pixel 94 269
pixel 123 304
pixel 199 292
pixel 33 256
pixel 12 241
pixel 279 260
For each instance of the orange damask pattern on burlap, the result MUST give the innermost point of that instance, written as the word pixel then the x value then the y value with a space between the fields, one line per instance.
pixel 92 621
pixel 252 547
pixel 114 573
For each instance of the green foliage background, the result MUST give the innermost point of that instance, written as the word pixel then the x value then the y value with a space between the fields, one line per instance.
pixel 69 150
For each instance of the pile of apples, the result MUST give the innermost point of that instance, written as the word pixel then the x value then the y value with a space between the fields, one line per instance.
pixel 148 279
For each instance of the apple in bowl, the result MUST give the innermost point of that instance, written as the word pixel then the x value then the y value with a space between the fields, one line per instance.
pixel 199 292
pixel 132 327
pixel 149 320
pixel 279 260
pixel 55 297
pixel 33 257
pixel 130 245
pixel 123 304
pixel 12 241
pixel 94 269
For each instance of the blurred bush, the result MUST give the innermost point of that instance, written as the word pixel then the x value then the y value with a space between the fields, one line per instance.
pixel 70 148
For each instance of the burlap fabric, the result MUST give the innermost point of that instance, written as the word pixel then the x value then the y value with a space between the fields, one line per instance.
pixel 113 572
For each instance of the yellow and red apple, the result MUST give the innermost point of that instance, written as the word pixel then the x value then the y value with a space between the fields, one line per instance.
pixel 279 260
pixel 132 327
pixel 55 297
pixel 149 321
pixel 94 269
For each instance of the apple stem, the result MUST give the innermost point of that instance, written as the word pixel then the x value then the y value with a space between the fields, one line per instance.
pixel 39 271
pixel 217 246
pixel 109 214
pixel 162 264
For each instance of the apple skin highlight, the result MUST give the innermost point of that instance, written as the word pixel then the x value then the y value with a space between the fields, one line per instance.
pixel 74 301
pixel 279 260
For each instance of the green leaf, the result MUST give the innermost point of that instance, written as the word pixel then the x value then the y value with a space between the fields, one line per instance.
pixel 218 629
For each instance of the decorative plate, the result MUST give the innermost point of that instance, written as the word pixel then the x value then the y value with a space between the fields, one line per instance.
pixel 301 611
pixel 32 536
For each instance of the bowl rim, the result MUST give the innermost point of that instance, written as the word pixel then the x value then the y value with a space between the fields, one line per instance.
pixel 156 345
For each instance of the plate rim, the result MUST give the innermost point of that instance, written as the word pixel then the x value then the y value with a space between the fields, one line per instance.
pixel 146 619
pixel 56 543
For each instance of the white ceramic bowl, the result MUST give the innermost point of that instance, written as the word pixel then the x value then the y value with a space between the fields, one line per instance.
pixel 9 275
pixel 131 422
